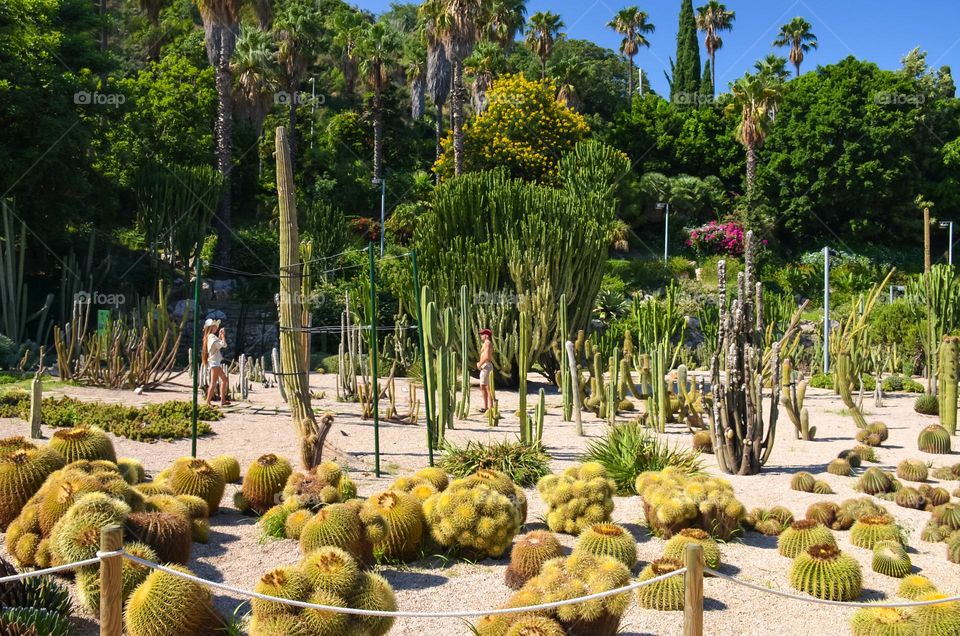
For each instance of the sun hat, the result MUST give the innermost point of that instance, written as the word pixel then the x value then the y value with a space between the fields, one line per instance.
pixel 486 332
pixel 211 322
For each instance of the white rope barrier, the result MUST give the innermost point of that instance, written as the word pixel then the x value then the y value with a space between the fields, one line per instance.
pixel 813 599
pixel 401 614
pixel 56 568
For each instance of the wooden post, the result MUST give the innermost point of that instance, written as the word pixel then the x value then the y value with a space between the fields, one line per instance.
pixel 111 598
pixel 693 590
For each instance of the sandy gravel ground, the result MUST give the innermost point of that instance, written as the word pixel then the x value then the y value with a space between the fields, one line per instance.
pixel 235 554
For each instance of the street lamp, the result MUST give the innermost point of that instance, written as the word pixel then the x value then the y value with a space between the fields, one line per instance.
pixel 827 253
pixel 944 225
pixel 383 207
pixel 666 226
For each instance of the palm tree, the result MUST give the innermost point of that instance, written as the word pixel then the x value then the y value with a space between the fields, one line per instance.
pixel 221 25
pixel 797 35
pixel 713 18
pixel 543 31
pixel 254 67
pixel 377 48
pixel 347 25
pixel 773 66
pixel 414 62
pixel 754 96
pixel 463 19
pixel 632 24
pixel 298 29
pixel 484 64
pixel 433 22
pixel 504 20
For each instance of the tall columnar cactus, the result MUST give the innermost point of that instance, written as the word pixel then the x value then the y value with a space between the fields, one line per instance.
pixel 312 433
pixel 792 400
pixel 948 358
pixel 524 344
pixel 438 372
pixel 742 437
pixel 613 387
pixel 565 379
pixel 463 407
pixel 844 381
pixel 658 402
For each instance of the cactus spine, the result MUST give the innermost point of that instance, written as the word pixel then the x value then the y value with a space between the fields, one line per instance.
pixel 742 439
pixel 948 355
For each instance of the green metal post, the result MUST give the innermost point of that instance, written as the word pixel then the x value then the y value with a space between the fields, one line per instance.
pixel 196 354
pixel 373 360
pixel 420 343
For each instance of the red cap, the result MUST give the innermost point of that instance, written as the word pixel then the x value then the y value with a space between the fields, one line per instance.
pixel 486 332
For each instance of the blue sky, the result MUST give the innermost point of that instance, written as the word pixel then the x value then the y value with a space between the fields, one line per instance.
pixel 881 31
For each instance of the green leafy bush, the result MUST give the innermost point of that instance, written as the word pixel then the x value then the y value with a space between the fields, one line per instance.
pixel 897 382
pixel 522 463
pixel 628 450
pixel 825 381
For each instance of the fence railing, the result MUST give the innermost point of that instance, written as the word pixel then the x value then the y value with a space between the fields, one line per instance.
pixel 111 554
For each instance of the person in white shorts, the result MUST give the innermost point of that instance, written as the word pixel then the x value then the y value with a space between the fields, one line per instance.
pixel 214 341
pixel 485 365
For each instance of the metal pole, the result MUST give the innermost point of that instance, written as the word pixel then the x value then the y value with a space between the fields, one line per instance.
pixel 666 231
pixel 422 345
pixel 826 310
pixel 383 212
pixel 196 355
pixel 950 251
pixel 373 360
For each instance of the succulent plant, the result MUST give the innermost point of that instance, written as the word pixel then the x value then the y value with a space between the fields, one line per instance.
pixel 499 482
pixel 577 499
pixel 673 500
pixel 913 586
pixel 331 569
pixel 82 442
pixel 948 515
pixel 168 534
pixel 912 470
pixel 23 469
pixel 770 522
pixel 167 604
pixel 823 571
pixel 473 519
pixel 132 575
pixel 295 522
pixel 874 481
pixel 286 582
pixel 534 625
pixel 821 487
pixel 228 466
pixel 937 619
pixel 934 439
pixel 882 621
pixel 528 554
pixel 935 495
pixel 840 467
pixel 866 453
pixel 801 535
pixel 678 543
pixel 823 512
pixel 373 593
pixel 437 478
pixel 189 476
pixel 953 548
pixel 867 438
pixel 405 523
pixel 879 428
pixel 132 470
pixel 167 503
pixel 933 532
pixel 609 539
pixel 926 404
pixel 33 621
pixel 321 485
pixel 279 625
pixel 264 481
pixel 890 559
pixel 702 443
pixel 76 536
pixel 803 482
pixel 852 457
pixel 665 595
pixel 343 526
pixel 151 488
pixel 323 621
pixel 910 498
pixel 871 529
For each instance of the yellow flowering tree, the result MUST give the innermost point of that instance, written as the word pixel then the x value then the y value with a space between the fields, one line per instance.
pixel 524 129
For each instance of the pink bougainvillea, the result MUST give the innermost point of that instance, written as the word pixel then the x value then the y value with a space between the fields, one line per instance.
pixel 717 238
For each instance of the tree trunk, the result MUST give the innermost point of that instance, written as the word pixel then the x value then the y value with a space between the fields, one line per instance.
pixel 713 72
pixel 630 81
pixel 223 135
pixel 313 434
pixel 294 99
pixel 456 117
pixel 797 67
pixel 439 127
pixel 377 131
pixel 751 167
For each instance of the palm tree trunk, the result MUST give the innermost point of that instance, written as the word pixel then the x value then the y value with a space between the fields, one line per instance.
pixel 456 116
pixel 377 129
pixel 223 134
pixel 797 67
pixel 751 167
pixel 630 81
pixel 438 125
pixel 543 67
pixel 713 71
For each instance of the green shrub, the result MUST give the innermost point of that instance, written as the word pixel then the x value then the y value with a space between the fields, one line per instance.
pixel 825 381
pixel 637 274
pixel 927 405
pixel 628 450
pixel 522 463
pixel 898 382
pixel 329 364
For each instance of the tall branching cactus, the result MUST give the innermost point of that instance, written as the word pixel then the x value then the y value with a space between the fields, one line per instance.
pixel 658 400
pixel 565 378
pixel 949 351
pixel 794 392
pixel 524 345
pixel 438 363
pixel 312 433
pixel 463 406
pixel 13 289
pixel 742 438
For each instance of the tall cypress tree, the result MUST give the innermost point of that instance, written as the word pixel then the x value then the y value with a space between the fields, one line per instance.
pixel 706 84
pixel 686 72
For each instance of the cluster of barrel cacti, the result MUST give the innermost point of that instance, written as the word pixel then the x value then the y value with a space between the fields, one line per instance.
pixel 263 484
pixel 674 500
pixel 944 526
pixel 937 618
pixel 328 576
pixel 768 521
pixel 304 493
pixel 353 526
pixel 529 553
pixel 164 603
pixel 24 467
pixel 562 579
pixel 805 482
pixel 578 498
pixel 873 434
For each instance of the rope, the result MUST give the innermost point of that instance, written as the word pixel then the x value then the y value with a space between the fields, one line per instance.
pixel 400 614
pixel 57 568
pixel 813 599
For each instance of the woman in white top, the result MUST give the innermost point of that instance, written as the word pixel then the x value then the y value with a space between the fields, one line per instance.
pixel 214 341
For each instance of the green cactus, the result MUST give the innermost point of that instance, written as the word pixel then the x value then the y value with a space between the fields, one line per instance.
pixel 678 544
pixel 438 372
pixel 821 487
pixel 33 621
pixel 853 509
pixel 934 439
pixel 803 482
pixel 151 488
pixel 83 442
pixel 875 481
pixel 933 532
pixel 910 498
pixel 132 575
pixel 936 496
pixel 912 470
pixel 947 515
pixel 880 429
pixel 871 529
pixel 941 618
pixel 609 539
pixel 472 518
pixel 948 357
pixel 321 485
pixel 665 595
pixel 166 604
pixel 823 512
pixel 769 522
pixel 953 548
pixel 852 458
pixel 823 571
pixel 866 453
pixel 347 526
pixel 528 555
pixel 325 622
pixel 702 442
pixel 132 470
pixel 792 400
pixel 76 536
pixel 913 586
pixel 169 535
pixel 373 593
pixel 264 482
pixel 228 466
pixel 196 477
pixel 840 467
pixel 802 534
pixel 23 469
pixel 436 476
pixel 332 569
pixel 283 582
pixel 533 625
pixel 890 559
pixel 294 523
pixel 577 499
pixel 404 516
pixel 673 500
pixel 882 621
pixel 658 403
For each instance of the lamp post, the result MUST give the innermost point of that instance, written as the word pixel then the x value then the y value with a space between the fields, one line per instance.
pixel 313 106
pixel 826 310
pixel 383 207
pixel 666 227
pixel 943 226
